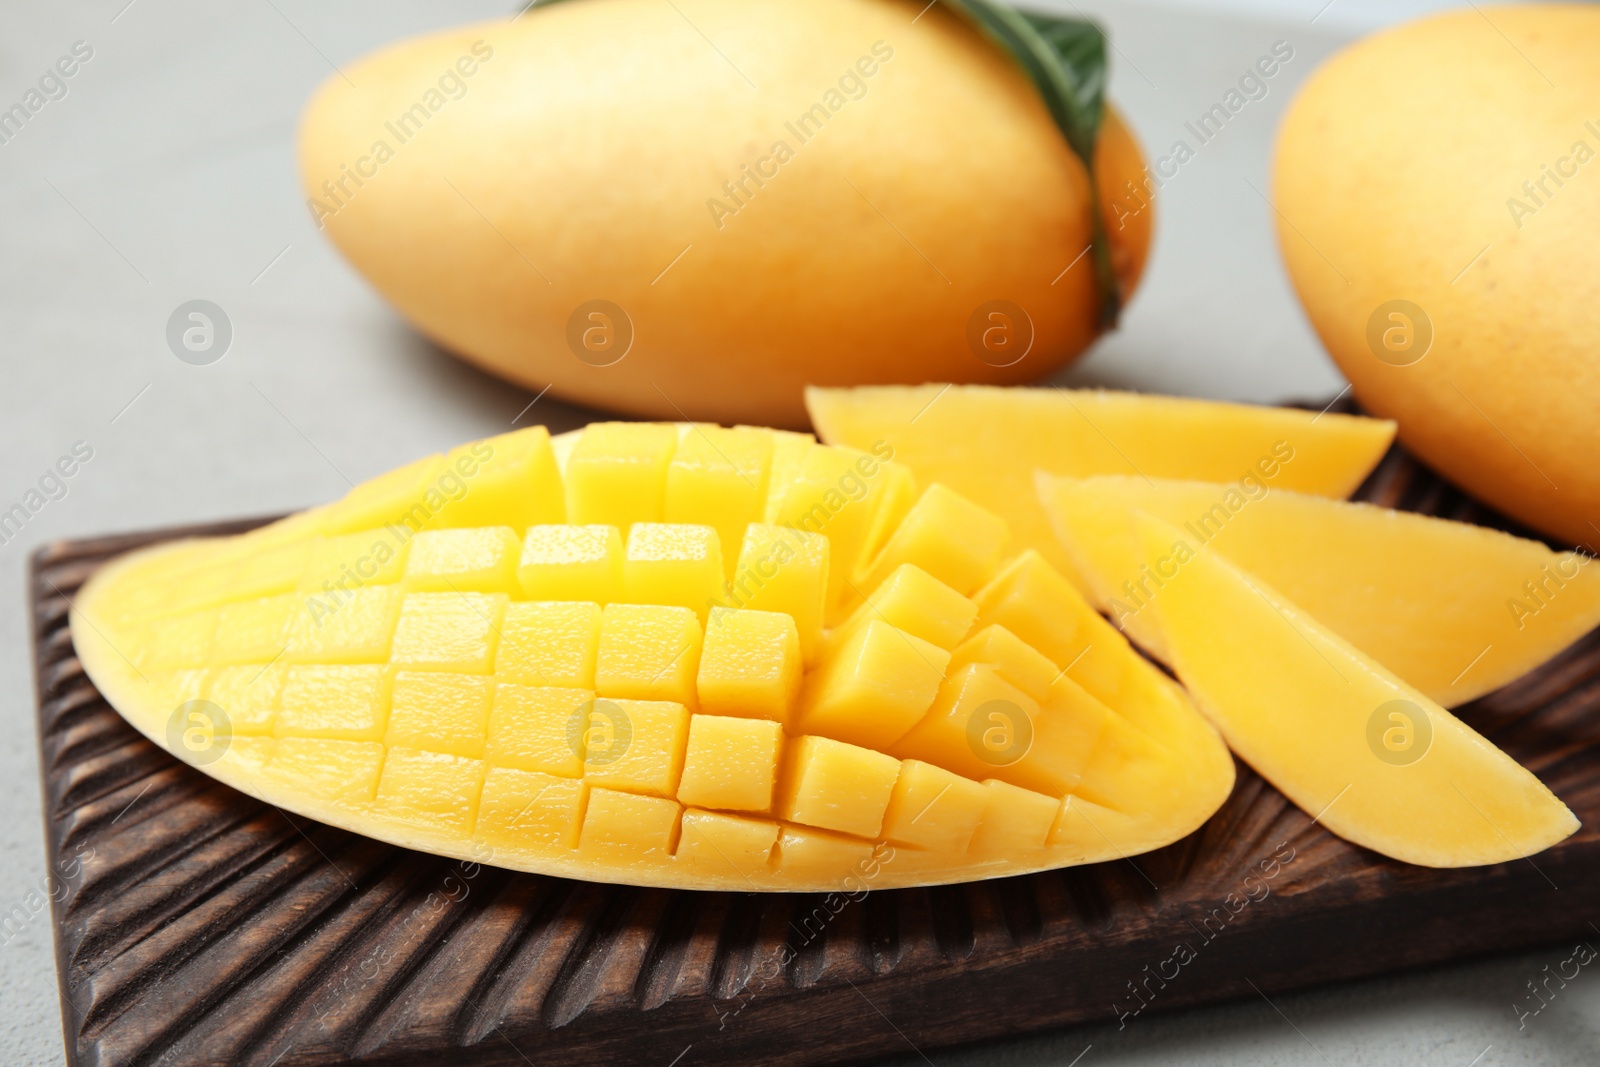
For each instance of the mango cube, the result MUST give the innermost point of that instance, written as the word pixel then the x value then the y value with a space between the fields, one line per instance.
pixel 275 569
pixel 673 564
pixel 948 536
pixel 836 494
pixel 617 473
pixel 843 862
pixel 789 450
pixel 717 841
pixel 440 712
pixel 571 563
pixel 719 477
pixel 407 496
pixel 178 642
pixel 934 809
pixel 981 726
pixel 1072 722
pixel 730 763
pixel 549 643
pixel 785 570
pixel 648 652
pixel 835 786
pixel 521 809
pixel 874 689
pixel 538 728
pixel 511 479
pixel 1032 600
pixel 249 754
pixel 900 492
pixel 630 827
pixel 345 628
pixel 1082 824
pixel 1012 658
pixel 912 600
pixel 171 688
pixel 749 664
pixel 341 771
pixel 1124 760
pixel 480 559
pixel 345 563
pixel 159 593
pixel 338 702
pixel 247 694
pixel 1014 820
pixel 254 631
pixel 635 745
pixel 448 632
pixel 434 789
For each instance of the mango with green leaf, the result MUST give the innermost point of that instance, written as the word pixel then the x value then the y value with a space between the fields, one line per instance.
pixel 696 209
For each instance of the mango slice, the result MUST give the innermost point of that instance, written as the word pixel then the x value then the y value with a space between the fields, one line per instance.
pixel 558 670
pixel 985 442
pixel 1454 609
pixel 1370 757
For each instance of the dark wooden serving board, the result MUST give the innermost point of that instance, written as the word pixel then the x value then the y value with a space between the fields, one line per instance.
pixel 195 925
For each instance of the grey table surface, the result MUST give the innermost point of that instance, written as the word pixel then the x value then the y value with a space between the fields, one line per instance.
pixel 165 174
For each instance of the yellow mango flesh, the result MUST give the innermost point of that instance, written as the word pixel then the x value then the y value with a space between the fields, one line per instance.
pixel 985 442
pixel 580 691
pixel 1370 757
pixel 1454 609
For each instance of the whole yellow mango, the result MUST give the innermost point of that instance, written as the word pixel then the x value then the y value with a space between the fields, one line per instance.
pixel 693 210
pixel 1439 206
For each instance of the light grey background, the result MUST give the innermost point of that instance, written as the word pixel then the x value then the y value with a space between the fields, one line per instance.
pixel 166 175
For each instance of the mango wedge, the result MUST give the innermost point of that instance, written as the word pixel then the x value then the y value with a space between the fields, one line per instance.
pixel 1370 757
pixel 1454 609
pixel 985 442
pixel 662 655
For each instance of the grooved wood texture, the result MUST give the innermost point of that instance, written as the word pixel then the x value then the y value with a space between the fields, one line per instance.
pixel 195 925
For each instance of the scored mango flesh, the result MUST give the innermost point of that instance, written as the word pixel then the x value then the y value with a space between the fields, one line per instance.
pixel 673 655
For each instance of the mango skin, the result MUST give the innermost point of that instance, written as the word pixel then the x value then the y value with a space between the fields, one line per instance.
pixel 578 162
pixel 1402 160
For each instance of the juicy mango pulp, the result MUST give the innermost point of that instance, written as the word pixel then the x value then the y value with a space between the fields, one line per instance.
pixel 1413 609
pixel 986 443
pixel 1455 609
pixel 660 654
pixel 1371 758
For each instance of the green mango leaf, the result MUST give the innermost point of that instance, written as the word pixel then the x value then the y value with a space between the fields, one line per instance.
pixel 1066 61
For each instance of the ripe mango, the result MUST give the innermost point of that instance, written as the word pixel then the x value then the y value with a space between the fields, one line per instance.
pixel 694 210
pixel 1438 194
pixel 531 653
